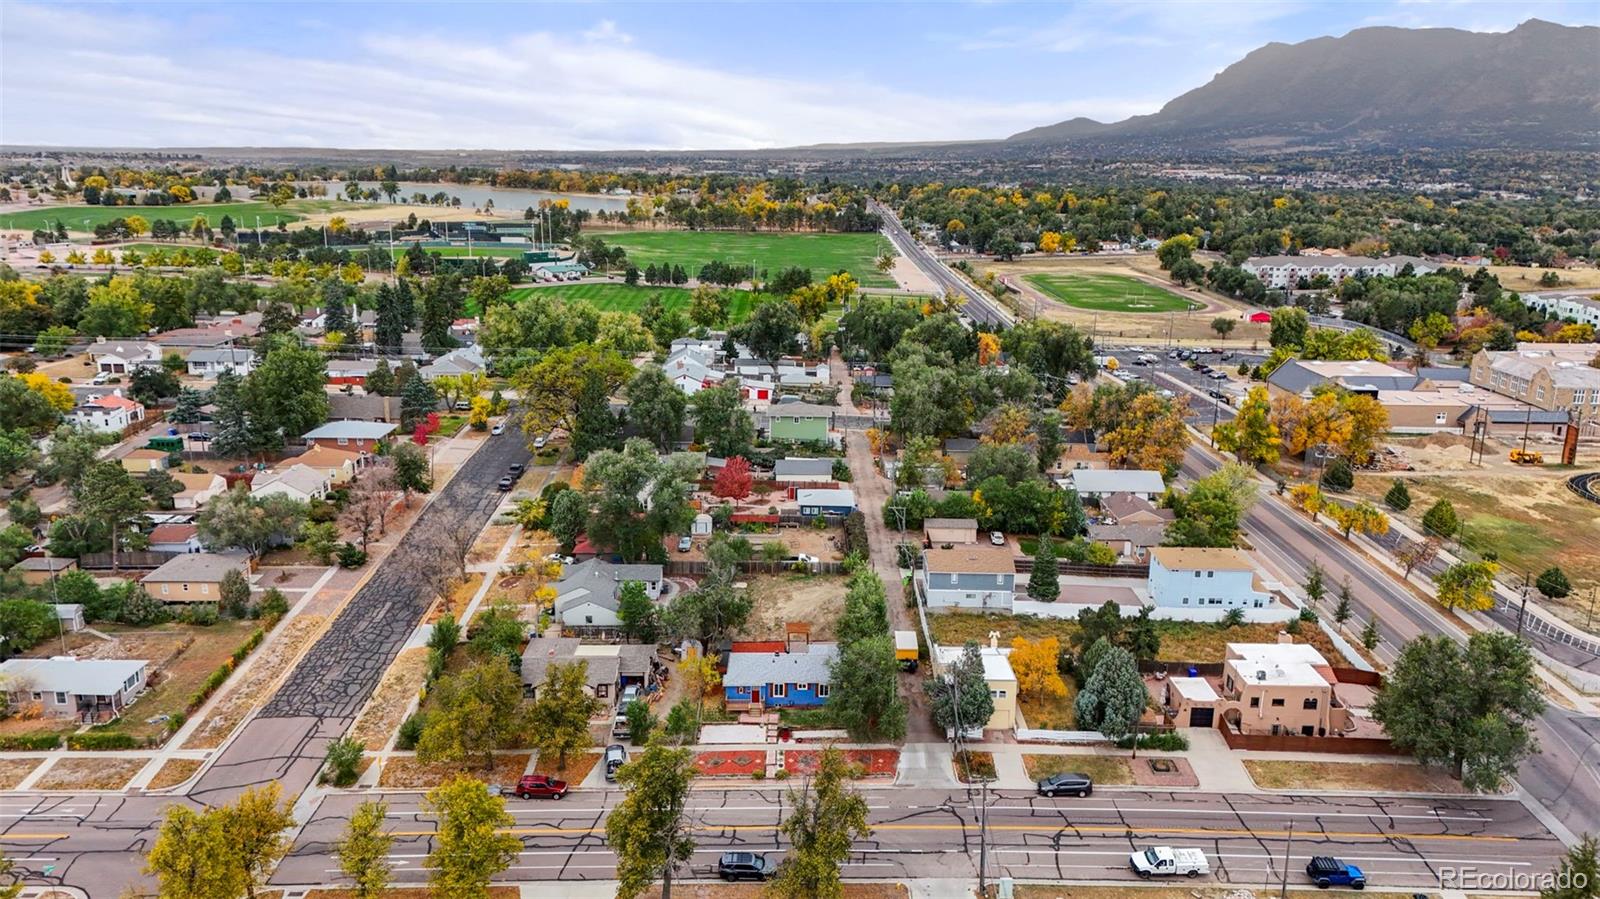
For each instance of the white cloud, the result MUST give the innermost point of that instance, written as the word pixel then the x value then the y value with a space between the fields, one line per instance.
pixel 64 81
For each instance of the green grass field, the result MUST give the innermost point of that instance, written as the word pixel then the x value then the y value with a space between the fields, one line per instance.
pixel 244 214
pixel 1109 293
pixel 622 298
pixel 824 254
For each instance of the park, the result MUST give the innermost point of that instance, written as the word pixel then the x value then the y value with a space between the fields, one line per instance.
pixel 823 254
pixel 1108 293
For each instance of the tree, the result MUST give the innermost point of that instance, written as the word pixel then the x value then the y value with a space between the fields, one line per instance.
pixel 479 710
pixel 1175 249
pixel 1553 584
pixel 23 409
pixel 640 722
pixel 1289 327
pixel 637 497
pixel 1034 662
pixel 733 479
pixel 408 470
pixel 771 329
pixel 417 400
pixel 1338 477
pixel 1113 696
pixel 1440 520
pixel 637 613
pixel 1412 555
pixel 562 707
pixel 1467 585
pixel 341 765
pixel 721 423
pixel 1251 436
pixel 647 828
pixel 110 495
pixel 469 847
pixel 1470 708
pixel 115 309
pixel 250 523
pixel 656 407
pixel 1578 876
pixel 1014 462
pixel 233 594
pixel 1044 584
pixel 1208 515
pixel 708 306
pixel 193 856
pixel 1315 586
pixel 569 514
pixel 1346 605
pixel 256 823
pixel 826 817
pixel 286 393
pixel 864 691
pixel 1223 326
pixel 709 613
pixel 595 427
pixel 961 695
pixel 1151 435
pixel 1363 518
pixel 1398 498
pixel 364 851
pixel 552 386
pixel 1369 634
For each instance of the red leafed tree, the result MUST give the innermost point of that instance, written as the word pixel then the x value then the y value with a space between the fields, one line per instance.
pixel 733 481
pixel 425 429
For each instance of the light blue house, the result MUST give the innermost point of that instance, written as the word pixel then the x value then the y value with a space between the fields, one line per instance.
pixel 969 576
pixel 818 501
pixel 793 678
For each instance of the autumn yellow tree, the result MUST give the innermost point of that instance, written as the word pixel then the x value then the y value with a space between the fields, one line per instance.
pixel 1307 498
pixel 54 392
pixel 1050 242
pixel 1009 424
pixel 988 348
pixel 1365 421
pixel 1151 435
pixel 1363 517
pixel 1035 664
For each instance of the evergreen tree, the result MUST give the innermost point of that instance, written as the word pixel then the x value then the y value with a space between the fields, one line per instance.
pixel 187 410
pixel 1441 520
pixel 1339 476
pixel 417 401
pixel 1044 584
pixel 1398 498
pixel 1578 876
pixel 441 302
pixel 595 428
pixel 1346 605
pixel 1369 634
pixel 231 434
pixel 380 381
pixel 390 327
pixel 336 306
pixel 405 304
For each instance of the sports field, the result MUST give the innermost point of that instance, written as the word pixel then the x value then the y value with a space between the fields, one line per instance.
pixel 823 254
pixel 491 250
pixel 611 297
pixel 82 219
pixel 1108 293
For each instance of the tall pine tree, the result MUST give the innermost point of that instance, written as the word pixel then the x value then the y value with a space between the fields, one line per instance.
pixel 417 401
pixel 390 327
pixel 441 301
pixel 595 428
pixel 336 306
pixel 380 381
pixel 405 302
pixel 231 434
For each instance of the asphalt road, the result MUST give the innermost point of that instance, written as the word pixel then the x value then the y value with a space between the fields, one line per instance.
pixel 978 305
pixel 1563 776
pixel 1401 843
pixel 97 842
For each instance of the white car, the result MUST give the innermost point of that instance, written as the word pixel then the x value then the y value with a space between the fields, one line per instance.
pixel 497 430
pixel 539 443
pixel 997 539
pixel 1165 861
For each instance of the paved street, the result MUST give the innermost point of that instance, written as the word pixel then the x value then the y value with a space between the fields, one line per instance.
pixel 978 305
pixel 925 833
pixel 97 842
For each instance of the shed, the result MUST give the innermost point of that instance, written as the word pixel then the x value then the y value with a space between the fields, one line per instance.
pixel 702 525
pixel 826 502
pixel 940 531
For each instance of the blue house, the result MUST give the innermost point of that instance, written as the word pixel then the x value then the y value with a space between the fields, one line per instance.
pixel 796 677
pixel 816 501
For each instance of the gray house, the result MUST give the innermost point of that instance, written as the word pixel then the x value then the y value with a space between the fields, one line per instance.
pixel 971 576
pixel 587 596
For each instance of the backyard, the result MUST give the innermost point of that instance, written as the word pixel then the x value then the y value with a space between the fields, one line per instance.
pixel 1108 293
pixel 1181 641
pixel 823 254
pixel 777 599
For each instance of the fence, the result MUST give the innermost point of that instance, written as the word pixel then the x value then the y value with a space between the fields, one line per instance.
pixel 131 561
pixel 1025 566
pixel 1297 743
pixel 1073 737
pixel 693 568
pixel 1180 669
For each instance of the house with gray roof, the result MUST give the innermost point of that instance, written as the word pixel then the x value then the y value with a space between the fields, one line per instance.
pixel 609 668
pixel 797 676
pixel 587 596
pixel 1300 377
pixel 808 471
pixel 88 690
pixel 209 363
pixel 194 577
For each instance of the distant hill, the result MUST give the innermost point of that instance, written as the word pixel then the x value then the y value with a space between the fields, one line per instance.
pixel 1537 86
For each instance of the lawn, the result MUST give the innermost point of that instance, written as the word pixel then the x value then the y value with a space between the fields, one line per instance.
pixel 1050 713
pixel 244 214
pixel 1386 777
pixel 823 254
pixel 1108 293
pixel 1105 770
pixel 619 297
pixel 174 772
pixel 90 773
pixel 972 767
pixel 1181 641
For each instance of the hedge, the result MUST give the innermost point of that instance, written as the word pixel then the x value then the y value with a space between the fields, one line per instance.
pixel 91 740
pixel 29 742
pixel 225 670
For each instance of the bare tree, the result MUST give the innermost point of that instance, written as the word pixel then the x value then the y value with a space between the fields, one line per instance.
pixel 457 541
pixel 1413 555
pixel 369 506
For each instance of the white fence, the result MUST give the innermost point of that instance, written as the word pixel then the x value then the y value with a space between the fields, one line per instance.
pixel 1077 737
pixel 1267 615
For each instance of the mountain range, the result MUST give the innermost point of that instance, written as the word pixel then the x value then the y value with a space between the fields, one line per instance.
pixel 1536 86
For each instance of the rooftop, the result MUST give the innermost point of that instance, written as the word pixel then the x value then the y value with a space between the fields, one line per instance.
pixel 973 559
pixel 1117 480
pixel 757 669
pixel 1280 664
pixel 996 667
pixel 1189 558
pixel 65 674
pixel 792 467
pixel 356 430
pixel 197 567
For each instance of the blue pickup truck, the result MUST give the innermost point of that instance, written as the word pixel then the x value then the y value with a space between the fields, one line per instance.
pixel 1326 871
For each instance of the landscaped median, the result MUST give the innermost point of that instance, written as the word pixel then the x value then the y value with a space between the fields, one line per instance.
pixel 731 763
pixel 869 762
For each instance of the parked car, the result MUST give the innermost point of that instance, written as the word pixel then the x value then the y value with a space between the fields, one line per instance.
pixel 616 756
pixel 629 693
pixel 517 468
pixel 506 483
pixel 800 559
pixel 1071 784
pixel 538 443
pixel 744 866
pixel 497 430
pixel 1326 871
pixel 1165 861
pixel 685 544
pixel 996 538
pixel 540 786
pixel 101 378
pixel 463 406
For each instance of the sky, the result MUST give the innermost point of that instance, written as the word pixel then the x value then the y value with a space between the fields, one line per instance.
pixel 643 75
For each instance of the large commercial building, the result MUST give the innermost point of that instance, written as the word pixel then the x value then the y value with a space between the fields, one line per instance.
pixel 1556 377
pixel 1287 271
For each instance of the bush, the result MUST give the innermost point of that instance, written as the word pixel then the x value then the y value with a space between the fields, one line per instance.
pixel 29 742
pixel 640 722
pixel 1234 617
pixel 101 740
pixel 1308 616
pixel 1165 741
pixel 1339 477
pixel 1399 497
pixel 855 534
pixel 200 614
pixel 410 731
pixel 759 774
pixel 273 606
pixel 351 556
pixel 343 762
pixel 780 774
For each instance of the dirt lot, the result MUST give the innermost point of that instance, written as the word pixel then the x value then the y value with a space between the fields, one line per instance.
pixel 387 707
pixel 1523 279
pixel 98 773
pixel 244 693
pixel 174 772
pixel 406 773
pixel 1394 777
pixel 12 771
pixel 489 542
pixel 578 767
pixel 779 599
pixel 1191 327
pixel 757 891
pixel 1180 641
pixel 1106 770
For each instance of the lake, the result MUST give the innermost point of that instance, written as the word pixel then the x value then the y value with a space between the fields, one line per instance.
pixel 506 199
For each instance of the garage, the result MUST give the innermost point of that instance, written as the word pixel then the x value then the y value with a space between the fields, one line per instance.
pixel 1201 717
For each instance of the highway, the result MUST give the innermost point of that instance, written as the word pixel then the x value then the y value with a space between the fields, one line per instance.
pixel 922 833
pixel 1563 776
pixel 979 305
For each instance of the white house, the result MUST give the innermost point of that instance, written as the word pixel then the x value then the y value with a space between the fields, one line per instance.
pixel 465 360
pixel 588 594
pixel 1189 577
pixel 969 576
pixel 692 372
pixel 90 690
pixel 197 489
pixel 301 482
pixel 124 356
pixel 108 414
pixel 1100 483
pixel 1286 271
pixel 1581 308
pixel 208 364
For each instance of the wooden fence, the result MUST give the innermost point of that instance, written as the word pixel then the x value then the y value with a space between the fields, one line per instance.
pixel 1297 743
pixel 146 560
pixel 694 568
pixel 1025 566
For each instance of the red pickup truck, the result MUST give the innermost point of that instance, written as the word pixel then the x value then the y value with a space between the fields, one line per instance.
pixel 541 786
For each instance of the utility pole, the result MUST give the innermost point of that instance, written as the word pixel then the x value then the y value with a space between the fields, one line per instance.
pixel 1283 883
pixel 1523 611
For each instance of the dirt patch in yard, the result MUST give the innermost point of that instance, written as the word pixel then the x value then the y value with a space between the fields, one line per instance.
pixel 174 772
pixel 204 650
pixel 12 771
pixel 387 708
pixel 757 891
pixel 250 690
pixel 1387 777
pixel 779 599
pixel 1050 713
pixel 99 773
pixel 972 767
pixel 578 767
pixel 461 592
pixel 406 773
pixel 1181 641
pixel 1105 770
pixel 490 541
